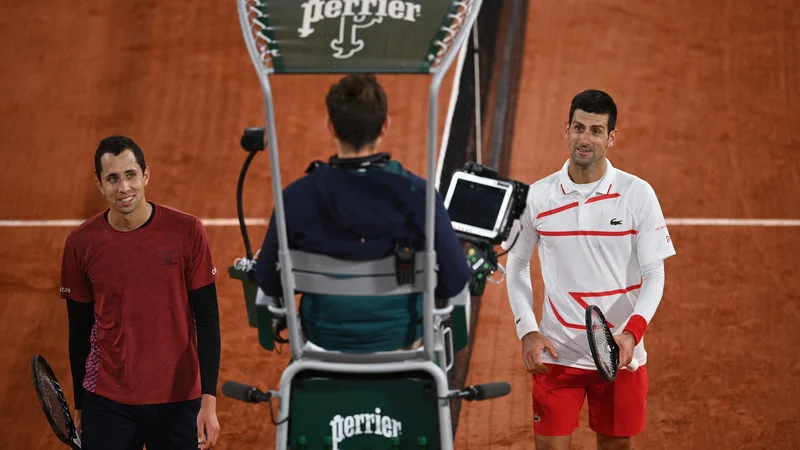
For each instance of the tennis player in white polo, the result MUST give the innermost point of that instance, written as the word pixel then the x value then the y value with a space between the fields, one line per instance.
pixel 602 239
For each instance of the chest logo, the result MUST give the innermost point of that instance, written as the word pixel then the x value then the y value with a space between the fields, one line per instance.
pixel 616 222
pixel 168 257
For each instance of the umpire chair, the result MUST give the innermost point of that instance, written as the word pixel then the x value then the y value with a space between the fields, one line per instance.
pixel 330 399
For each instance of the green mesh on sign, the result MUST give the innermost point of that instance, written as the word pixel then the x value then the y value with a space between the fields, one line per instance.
pixel 349 36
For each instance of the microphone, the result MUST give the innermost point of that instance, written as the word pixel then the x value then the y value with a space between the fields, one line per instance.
pixel 484 391
pixel 244 393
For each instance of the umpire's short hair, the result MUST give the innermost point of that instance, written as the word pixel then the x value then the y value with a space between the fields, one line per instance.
pixel 358 107
pixel 595 102
pixel 115 145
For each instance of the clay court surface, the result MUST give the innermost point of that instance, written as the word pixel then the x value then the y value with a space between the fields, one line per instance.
pixel 709 100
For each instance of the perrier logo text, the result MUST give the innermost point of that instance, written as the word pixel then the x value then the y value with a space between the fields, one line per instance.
pixel 354 15
pixel 360 424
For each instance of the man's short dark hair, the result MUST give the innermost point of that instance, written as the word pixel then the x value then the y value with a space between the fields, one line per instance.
pixel 357 107
pixel 595 102
pixel 116 145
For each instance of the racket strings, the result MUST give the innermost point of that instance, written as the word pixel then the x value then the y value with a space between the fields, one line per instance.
pixel 54 398
pixel 604 344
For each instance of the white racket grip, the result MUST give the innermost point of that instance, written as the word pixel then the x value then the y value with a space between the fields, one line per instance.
pixel 634 365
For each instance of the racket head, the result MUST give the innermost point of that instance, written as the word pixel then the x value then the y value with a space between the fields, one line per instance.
pixel 604 349
pixel 53 402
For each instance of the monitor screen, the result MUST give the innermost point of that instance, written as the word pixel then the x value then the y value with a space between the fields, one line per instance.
pixel 476 204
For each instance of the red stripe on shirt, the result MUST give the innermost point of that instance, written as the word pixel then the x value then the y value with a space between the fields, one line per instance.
pixel 579 297
pixel 586 233
pixel 561 319
pixel 557 210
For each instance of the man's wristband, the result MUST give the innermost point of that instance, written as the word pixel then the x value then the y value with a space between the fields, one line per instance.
pixel 636 326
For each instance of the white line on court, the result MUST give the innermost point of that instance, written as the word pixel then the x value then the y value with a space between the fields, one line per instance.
pixel 233 222
pixel 39 223
pixel 76 222
pixel 699 222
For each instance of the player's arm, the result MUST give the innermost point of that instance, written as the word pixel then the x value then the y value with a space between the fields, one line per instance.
pixel 202 293
pixel 81 322
pixel 205 309
pixel 522 241
pixel 521 244
pixel 650 296
pixel 76 290
pixel 653 246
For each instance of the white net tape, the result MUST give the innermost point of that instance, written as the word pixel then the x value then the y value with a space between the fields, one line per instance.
pixel 260 32
pixel 451 32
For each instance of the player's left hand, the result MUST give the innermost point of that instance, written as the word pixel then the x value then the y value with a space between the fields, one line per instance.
pixel 626 343
pixel 207 423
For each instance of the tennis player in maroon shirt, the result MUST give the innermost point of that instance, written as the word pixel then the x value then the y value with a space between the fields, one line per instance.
pixel 144 340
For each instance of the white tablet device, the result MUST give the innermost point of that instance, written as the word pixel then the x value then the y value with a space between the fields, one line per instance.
pixel 477 205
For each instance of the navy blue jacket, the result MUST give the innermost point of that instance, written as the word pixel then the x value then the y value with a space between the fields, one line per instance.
pixel 361 215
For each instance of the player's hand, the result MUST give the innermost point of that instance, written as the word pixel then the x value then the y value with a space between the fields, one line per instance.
pixel 207 423
pixel 533 344
pixel 626 343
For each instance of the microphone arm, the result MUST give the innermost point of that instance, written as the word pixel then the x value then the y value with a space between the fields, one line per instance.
pixel 481 392
pixel 244 393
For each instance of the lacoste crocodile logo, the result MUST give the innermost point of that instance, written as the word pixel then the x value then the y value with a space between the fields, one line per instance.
pixel 616 222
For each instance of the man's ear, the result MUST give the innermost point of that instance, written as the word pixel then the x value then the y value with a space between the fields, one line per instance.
pixel 566 129
pixel 98 184
pixel 386 124
pixel 146 175
pixel 612 138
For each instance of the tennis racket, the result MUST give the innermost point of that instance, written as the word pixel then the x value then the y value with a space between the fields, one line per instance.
pixel 54 405
pixel 605 350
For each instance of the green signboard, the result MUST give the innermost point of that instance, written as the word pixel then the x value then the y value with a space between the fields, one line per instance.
pixel 333 36
pixel 364 412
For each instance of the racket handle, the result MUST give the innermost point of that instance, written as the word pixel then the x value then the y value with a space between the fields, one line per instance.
pixel 633 366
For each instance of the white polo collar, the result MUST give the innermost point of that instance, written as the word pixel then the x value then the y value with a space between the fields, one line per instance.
pixel 603 187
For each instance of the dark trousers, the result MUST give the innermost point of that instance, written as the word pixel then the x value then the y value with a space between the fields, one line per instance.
pixel 108 425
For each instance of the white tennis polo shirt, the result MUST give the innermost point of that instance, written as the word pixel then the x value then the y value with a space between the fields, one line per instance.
pixel 591 249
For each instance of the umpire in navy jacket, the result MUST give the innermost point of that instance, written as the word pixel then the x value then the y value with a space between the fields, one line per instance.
pixel 360 206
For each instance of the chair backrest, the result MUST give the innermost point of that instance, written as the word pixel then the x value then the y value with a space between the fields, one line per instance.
pixel 324 275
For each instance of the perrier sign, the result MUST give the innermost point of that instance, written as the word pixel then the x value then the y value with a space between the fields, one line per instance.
pixel 382 36
pixel 366 411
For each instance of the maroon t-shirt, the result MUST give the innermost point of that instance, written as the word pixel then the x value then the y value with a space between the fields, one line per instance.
pixel 144 341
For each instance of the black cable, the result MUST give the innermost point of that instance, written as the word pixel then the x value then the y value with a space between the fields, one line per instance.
pixel 277 332
pixel 513 243
pixel 240 208
pixel 272 414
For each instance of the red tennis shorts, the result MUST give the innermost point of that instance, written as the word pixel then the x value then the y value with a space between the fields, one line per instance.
pixel 615 409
